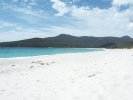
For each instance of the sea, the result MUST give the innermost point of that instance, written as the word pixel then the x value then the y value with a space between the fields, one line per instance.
pixel 9 52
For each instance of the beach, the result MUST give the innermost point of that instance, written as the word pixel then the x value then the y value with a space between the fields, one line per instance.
pixel 100 75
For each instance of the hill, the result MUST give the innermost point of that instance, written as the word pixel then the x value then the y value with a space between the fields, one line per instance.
pixel 64 40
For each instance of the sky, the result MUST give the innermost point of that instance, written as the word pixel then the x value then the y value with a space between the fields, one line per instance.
pixel 23 19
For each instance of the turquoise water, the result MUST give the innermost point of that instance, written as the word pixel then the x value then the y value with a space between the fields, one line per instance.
pixel 8 52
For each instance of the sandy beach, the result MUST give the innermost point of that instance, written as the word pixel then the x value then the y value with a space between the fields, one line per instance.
pixel 101 75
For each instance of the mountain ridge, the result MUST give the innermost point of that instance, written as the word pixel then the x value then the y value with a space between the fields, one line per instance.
pixel 65 40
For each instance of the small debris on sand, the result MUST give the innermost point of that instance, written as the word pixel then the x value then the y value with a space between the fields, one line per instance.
pixel 39 61
pixel 31 66
pixel 42 63
pixel 37 80
pixel 2 90
pixel 92 75
pixel 32 62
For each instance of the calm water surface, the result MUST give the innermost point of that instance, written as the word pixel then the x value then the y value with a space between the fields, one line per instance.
pixel 8 52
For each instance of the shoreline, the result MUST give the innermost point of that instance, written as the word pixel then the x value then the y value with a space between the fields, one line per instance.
pixel 53 54
pixel 103 49
pixel 63 53
pixel 38 55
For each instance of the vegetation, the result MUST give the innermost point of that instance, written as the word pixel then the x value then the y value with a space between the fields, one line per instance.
pixel 64 40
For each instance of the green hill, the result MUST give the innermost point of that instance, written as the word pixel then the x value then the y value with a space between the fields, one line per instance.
pixel 65 40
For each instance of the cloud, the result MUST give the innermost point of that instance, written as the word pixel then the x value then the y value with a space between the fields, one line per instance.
pixel 26 13
pixel 122 2
pixel 29 19
pixel 23 8
pixel 130 26
pixel 25 2
pixel 100 22
pixel 60 6
pixel 5 24
pixel 69 19
pixel 26 33
pixel 9 25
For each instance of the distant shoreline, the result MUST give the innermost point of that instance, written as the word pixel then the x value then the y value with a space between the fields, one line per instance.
pixel 9 52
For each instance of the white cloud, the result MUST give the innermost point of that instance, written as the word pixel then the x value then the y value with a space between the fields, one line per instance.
pixel 25 13
pixel 105 21
pixel 9 25
pixel 29 19
pixel 60 7
pixel 122 2
pixel 130 26
pixel 5 24
pixel 13 35
pixel 56 30
pixel 87 21
pixel 28 11
pixel 100 22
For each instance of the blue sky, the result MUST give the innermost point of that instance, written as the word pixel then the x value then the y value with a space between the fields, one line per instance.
pixel 22 19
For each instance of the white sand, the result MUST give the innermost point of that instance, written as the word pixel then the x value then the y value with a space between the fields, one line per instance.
pixel 102 75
